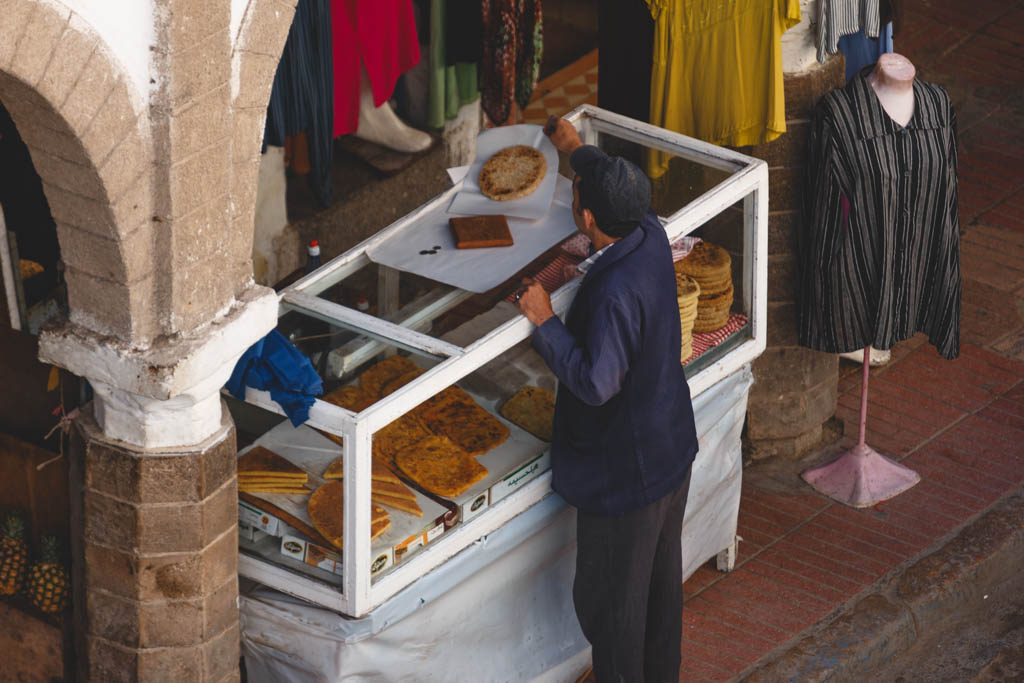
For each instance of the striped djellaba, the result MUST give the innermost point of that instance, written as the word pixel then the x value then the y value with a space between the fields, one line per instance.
pixel 838 18
pixel 879 240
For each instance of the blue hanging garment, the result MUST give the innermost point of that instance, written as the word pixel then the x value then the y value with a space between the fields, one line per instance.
pixel 861 51
pixel 302 98
pixel 274 364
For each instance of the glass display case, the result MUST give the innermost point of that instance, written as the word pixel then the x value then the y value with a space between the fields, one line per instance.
pixel 406 293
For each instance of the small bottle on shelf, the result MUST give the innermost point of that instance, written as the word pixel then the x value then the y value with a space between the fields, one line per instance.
pixel 312 256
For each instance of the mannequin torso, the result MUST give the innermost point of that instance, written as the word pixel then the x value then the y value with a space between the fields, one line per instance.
pixel 893 82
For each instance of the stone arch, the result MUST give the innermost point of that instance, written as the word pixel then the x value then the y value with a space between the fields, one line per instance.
pixel 256 53
pixel 87 133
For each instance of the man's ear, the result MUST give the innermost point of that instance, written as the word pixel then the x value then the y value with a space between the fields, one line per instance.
pixel 588 219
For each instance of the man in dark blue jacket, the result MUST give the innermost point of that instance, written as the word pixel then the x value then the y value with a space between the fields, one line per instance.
pixel 624 435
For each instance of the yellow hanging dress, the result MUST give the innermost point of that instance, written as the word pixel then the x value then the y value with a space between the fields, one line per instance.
pixel 717 72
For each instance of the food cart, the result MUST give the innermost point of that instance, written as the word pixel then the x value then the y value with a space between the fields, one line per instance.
pixel 480 582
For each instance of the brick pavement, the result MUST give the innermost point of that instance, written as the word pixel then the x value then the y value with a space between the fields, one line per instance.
pixel 960 424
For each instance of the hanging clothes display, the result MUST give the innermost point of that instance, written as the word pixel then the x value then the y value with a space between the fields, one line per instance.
pixel 301 98
pixel 717 72
pixel 838 18
pixel 456 35
pixel 377 34
pixel 513 44
pixel 880 242
pixel 861 51
pixel 464 28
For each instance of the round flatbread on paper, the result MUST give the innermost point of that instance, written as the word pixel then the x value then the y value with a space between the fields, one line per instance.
pixel 512 173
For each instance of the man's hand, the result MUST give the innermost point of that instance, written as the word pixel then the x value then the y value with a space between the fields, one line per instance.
pixel 534 302
pixel 563 135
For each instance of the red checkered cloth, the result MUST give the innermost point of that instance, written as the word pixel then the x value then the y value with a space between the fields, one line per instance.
pixel 554 275
pixel 682 247
pixel 702 341
pixel 577 245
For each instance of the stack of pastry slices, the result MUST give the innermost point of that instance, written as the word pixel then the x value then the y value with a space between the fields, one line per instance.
pixel 385 487
pixel 711 267
pixel 687 293
pixel 437 440
pixel 327 512
pixel 264 471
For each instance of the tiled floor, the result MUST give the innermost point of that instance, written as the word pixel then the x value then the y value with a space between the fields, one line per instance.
pixel 959 423
pixel 562 92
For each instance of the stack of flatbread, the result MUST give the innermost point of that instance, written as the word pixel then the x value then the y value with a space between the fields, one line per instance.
pixel 453 413
pixel 327 512
pixel 437 439
pixel 457 429
pixel 350 397
pixel 533 409
pixel 439 465
pixel 263 471
pixel 687 294
pixel 385 487
pixel 711 267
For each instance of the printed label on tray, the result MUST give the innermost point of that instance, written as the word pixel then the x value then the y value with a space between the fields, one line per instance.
pixel 294 548
pixel 433 534
pixel 316 556
pixel 474 507
pixel 522 475
pixel 258 519
pixel 407 546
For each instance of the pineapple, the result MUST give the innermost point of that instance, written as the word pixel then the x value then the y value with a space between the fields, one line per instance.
pixel 13 554
pixel 48 581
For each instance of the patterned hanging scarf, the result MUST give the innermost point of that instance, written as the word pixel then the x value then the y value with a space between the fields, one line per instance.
pixel 513 45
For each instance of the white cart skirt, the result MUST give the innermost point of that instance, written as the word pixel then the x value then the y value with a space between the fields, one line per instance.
pixel 501 610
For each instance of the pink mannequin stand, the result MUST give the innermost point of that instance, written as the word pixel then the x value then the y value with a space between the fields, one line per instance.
pixel 861 477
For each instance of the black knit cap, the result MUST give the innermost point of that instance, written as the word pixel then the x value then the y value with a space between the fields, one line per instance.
pixel 615 190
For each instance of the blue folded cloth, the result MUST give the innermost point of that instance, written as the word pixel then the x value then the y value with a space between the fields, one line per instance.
pixel 274 364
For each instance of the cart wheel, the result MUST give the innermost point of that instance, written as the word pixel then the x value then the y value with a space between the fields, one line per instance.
pixel 726 559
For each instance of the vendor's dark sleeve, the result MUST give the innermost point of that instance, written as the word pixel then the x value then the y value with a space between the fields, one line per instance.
pixel 592 368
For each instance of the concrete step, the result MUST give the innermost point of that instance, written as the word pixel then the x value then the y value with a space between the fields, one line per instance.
pixel 910 604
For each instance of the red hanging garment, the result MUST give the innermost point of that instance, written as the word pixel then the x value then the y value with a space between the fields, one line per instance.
pixel 382 35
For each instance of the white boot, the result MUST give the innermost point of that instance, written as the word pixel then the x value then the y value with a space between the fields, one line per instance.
pixel 382 126
pixel 877 357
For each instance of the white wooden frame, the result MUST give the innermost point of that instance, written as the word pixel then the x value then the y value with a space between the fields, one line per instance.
pixel 11 274
pixel 748 182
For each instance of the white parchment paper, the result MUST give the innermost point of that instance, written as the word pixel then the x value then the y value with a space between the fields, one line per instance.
pixel 476 270
pixel 469 201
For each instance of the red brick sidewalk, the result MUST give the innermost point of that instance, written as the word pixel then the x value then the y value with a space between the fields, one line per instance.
pixel 959 423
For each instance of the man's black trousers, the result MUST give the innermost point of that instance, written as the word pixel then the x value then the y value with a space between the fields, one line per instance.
pixel 628 590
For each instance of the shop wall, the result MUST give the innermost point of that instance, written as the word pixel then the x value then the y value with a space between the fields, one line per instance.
pixel 126 29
